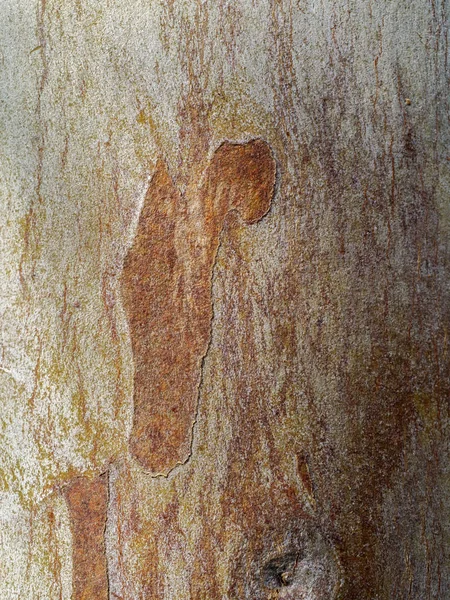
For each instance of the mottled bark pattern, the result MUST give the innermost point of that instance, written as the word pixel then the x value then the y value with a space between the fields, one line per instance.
pixel 166 286
pixel 87 502
pixel 298 368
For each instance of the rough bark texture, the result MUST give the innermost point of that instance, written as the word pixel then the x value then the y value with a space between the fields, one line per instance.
pixel 232 411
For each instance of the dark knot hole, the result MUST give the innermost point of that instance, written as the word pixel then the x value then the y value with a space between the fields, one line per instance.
pixel 279 572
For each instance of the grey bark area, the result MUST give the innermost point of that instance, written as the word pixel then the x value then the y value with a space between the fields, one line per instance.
pixel 224 300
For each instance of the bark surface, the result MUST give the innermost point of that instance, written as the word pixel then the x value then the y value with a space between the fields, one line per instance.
pixel 224 299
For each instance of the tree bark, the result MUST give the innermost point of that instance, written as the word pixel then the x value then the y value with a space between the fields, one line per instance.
pixel 224 299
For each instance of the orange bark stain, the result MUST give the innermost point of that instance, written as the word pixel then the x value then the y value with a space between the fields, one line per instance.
pixel 87 503
pixel 166 287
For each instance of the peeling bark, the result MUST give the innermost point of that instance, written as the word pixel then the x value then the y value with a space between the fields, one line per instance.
pixel 87 503
pixel 166 285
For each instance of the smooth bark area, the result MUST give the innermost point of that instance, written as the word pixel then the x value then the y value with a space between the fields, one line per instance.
pixel 224 299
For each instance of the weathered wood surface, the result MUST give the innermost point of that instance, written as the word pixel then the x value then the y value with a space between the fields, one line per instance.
pixel 313 452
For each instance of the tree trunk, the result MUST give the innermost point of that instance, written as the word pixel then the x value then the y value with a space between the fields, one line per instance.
pixel 225 300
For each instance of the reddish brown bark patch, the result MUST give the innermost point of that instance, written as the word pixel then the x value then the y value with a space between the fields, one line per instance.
pixel 87 502
pixel 166 288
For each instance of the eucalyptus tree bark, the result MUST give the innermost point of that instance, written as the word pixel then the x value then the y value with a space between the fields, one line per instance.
pixel 224 299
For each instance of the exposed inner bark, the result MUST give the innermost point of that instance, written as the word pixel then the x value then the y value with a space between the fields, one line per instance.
pixel 87 501
pixel 166 287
